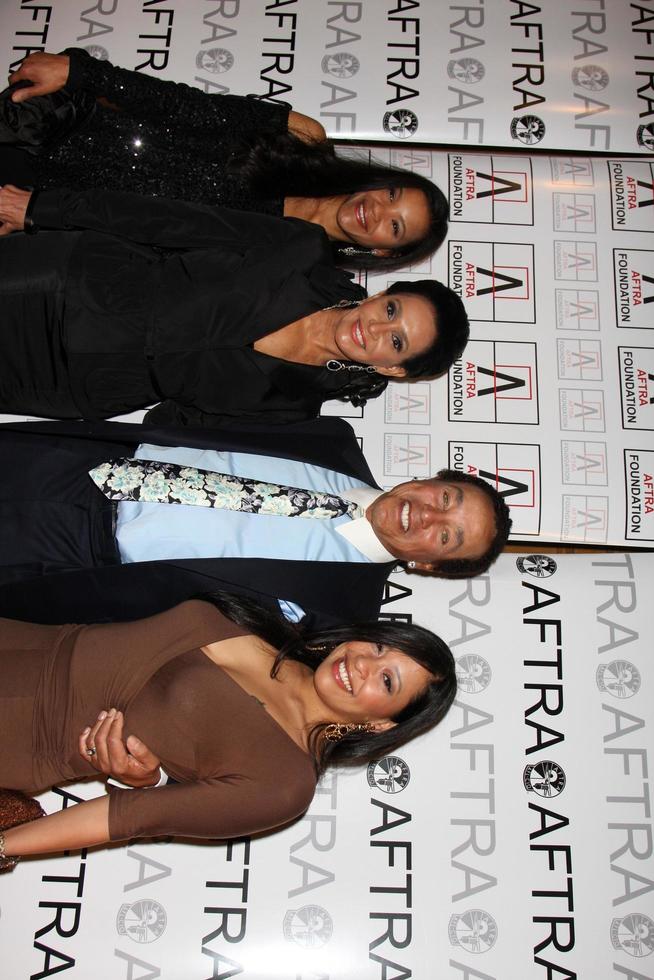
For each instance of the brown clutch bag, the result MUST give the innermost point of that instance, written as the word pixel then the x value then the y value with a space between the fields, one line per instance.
pixel 16 808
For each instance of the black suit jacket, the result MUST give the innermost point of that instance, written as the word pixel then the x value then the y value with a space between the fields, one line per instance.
pixel 331 592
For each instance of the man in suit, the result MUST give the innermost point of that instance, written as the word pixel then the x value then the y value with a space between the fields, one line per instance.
pixel 68 553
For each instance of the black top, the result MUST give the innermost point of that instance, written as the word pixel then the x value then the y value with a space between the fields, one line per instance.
pixel 142 324
pixel 162 139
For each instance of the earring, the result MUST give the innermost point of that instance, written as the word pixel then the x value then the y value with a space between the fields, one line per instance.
pixel 343 304
pixel 350 251
pixel 316 647
pixel 333 365
pixel 337 731
pixel 410 564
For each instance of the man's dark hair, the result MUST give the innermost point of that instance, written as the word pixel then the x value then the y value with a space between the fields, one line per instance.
pixel 283 165
pixel 468 567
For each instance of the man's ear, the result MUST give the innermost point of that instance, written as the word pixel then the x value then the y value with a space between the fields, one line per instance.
pixel 397 371
pixel 421 566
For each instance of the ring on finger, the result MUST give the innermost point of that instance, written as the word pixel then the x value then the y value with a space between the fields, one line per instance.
pixel 92 751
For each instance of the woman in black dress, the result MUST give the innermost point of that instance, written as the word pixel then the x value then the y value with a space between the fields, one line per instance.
pixel 220 315
pixel 161 138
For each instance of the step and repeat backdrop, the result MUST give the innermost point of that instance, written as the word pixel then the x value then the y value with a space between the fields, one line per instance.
pixel 575 74
pixel 553 399
pixel 514 842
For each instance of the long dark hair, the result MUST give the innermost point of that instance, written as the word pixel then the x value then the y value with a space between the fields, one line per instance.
pixel 310 649
pixel 452 332
pixel 284 165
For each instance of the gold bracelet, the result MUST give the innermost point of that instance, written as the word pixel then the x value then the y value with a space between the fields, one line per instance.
pixel 6 863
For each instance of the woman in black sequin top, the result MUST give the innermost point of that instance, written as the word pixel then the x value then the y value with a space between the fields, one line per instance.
pixel 135 132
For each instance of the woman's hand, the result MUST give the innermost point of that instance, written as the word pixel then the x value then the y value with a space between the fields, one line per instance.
pixel 13 205
pixel 47 73
pixel 129 761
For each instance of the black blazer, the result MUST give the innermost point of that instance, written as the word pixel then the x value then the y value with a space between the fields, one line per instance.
pixel 330 592
pixel 164 301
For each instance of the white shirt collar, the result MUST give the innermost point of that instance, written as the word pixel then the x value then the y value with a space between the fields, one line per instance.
pixel 359 531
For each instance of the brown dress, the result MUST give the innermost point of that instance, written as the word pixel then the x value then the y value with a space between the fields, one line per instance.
pixel 238 770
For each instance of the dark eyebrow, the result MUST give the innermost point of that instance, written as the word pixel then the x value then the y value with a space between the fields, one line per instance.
pixel 459 496
pixel 459 538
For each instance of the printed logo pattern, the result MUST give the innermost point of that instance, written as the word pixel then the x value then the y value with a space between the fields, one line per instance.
pixel 584 463
pixel 408 404
pixel 572 170
pixel 632 195
pixel 579 360
pixel 575 213
pixel 584 518
pixel 513 469
pixel 494 279
pixel 577 309
pixel 639 494
pixel 637 387
pixel 576 261
pixel 582 409
pixel 491 190
pixel 407 454
pixel 496 381
pixel 633 271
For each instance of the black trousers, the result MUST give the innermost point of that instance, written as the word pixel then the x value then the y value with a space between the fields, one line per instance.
pixel 52 516
pixel 33 370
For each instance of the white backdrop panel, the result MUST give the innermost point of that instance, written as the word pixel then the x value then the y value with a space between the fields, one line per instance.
pixel 526 816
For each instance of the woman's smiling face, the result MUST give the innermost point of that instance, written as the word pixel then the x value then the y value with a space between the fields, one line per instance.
pixel 386 219
pixel 362 681
pixel 386 330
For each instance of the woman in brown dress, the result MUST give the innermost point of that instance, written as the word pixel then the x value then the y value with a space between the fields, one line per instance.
pixel 244 712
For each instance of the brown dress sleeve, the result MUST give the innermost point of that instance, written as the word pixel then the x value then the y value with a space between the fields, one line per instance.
pixel 228 806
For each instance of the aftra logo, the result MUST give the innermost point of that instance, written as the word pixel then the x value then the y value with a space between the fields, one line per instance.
pixel 633 270
pixel 407 454
pixel 575 261
pixel 582 409
pixel 577 171
pixel 584 463
pixel 513 469
pixel 408 403
pixel 474 930
pixel 473 673
pixel 577 309
pixel 495 381
pixel 639 493
pixel 491 190
pixel 632 194
pixel 637 387
pixel 619 678
pixel 579 359
pixel 584 518
pixel 574 213
pixel 494 279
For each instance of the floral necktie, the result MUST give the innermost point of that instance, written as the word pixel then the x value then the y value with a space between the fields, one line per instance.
pixel 150 481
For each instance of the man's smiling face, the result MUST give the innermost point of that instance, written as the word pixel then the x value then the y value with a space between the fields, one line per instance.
pixel 430 521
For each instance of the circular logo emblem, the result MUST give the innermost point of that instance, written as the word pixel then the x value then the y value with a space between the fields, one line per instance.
pixel 342 64
pixel 466 70
pixel 473 673
pixel 619 678
pixel 400 123
pixel 645 136
pixel 592 77
pixel 391 774
pixel 214 60
pixel 97 51
pixel 545 778
pixel 143 921
pixel 540 566
pixel 634 934
pixel 310 927
pixel 474 930
pixel 528 129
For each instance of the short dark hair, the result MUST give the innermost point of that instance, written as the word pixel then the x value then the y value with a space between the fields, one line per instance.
pixel 452 327
pixel 452 333
pixel 284 165
pixel 468 567
pixel 293 642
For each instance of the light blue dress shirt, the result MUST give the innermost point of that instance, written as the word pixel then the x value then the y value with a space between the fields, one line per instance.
pixel 155 532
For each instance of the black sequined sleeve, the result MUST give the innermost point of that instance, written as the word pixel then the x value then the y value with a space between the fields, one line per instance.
pixel 178 105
